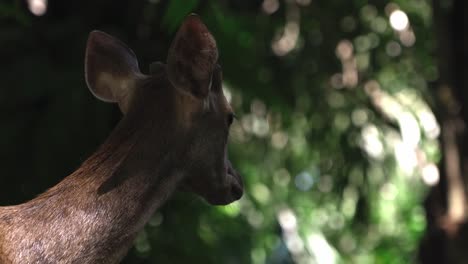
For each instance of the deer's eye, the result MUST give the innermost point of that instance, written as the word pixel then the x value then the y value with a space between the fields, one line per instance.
pixel 230 118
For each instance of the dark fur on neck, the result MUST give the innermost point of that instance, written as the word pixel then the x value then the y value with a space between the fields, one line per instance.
pixel 93 215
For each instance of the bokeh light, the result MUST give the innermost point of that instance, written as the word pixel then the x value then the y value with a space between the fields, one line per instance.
pixel 37 7
pixel 399 20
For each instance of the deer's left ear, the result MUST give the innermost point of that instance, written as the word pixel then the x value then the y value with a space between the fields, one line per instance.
pixel 111 69
pixel 192 58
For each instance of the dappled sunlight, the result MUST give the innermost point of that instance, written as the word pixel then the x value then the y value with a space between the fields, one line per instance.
pixel 37 7
pixel 389 191
pixel 279 139
pixel 430 174
pixel 407 37
pixel 409 128
pixel 397 133
pixel 323 252
pixel 256 122
pixel 400 23
pixel 287 220
pixel 399 20
pixel 349 201
pixel 349 75
pixel 261 193
pixel 270 6
pixel 290 233
pixel 282 177
pixel 406 157
pixel 371 142
pixel 286 40
pixel 232 209
pixel 413 118
pixel 359 117
pixel 429 124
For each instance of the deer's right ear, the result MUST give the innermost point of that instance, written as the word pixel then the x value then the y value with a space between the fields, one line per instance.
pixel 192 57
pixel 111 69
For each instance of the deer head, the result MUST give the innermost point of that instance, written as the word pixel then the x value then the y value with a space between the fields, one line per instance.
pixel 180 106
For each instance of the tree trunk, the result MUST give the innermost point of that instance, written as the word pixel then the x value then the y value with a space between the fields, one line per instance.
pixel 446 237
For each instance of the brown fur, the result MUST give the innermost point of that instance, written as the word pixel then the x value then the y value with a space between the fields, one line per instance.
pixel 167 138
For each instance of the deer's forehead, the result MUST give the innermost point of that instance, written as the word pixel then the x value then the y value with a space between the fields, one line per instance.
pixel 186 107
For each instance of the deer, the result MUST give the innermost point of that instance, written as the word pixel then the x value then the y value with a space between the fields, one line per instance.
pixel 173 135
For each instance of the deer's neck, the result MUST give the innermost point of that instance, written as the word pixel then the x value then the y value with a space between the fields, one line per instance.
pixel 94 214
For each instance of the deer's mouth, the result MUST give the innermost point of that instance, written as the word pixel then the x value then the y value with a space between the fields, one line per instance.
pixel 237 186
pixel 222 188
pixel 231 192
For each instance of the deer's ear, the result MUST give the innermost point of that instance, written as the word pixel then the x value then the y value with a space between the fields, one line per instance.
pixel 192 57
pixel 111 68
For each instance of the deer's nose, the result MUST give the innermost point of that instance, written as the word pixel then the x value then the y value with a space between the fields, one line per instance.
pixel 236 191
pixel 237 185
